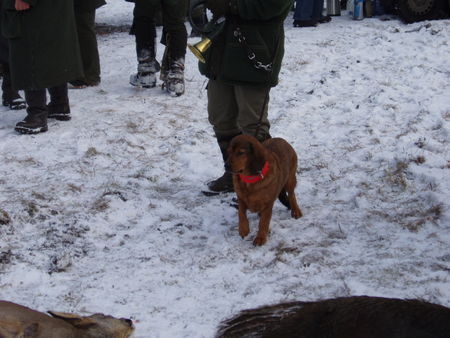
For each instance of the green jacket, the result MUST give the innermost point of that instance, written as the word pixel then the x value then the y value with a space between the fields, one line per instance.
pixel 261 23
pixel 43 43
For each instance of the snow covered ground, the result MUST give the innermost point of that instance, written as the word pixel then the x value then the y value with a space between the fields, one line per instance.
pixel 106 213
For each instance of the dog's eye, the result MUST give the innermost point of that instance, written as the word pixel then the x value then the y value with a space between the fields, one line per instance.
pixel 241 152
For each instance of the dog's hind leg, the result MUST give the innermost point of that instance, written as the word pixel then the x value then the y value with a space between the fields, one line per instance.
pixel 283 198
pixel 290 189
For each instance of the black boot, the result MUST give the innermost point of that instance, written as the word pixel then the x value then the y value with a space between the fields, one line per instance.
pixel 36 120
pixel 222 184
pixel 14 103
pixel 59 108
pixel 225 182
pixel 11 97
pixel 32 124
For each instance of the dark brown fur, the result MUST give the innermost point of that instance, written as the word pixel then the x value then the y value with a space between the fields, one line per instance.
pixel 352 317
pixel 246 156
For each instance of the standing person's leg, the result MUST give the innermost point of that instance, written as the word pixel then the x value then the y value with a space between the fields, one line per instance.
pixel 36 120
pixel 253 103
pixel 223 115
pixel 303 15
pixel 59 108
pixel 175 40
pixel 318 12
pixel 89 49
pixel 10 97
pixel 233 110
pixel 144 30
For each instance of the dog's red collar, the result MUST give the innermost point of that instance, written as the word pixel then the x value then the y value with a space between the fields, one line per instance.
pixel 257 178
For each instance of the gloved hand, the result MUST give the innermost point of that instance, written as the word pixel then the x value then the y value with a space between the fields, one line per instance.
pixel 218 7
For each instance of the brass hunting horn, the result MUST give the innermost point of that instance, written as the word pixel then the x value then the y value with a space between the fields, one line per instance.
pixel 209 30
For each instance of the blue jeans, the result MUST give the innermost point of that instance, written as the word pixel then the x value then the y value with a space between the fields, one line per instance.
pixel 308 10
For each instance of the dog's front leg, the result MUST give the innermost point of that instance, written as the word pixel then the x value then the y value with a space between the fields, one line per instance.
pixel 264 222
pixel 243 220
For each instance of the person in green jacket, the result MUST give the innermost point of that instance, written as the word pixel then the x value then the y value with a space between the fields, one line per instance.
pixel 85 21
pixel 242 65
pixel 44 54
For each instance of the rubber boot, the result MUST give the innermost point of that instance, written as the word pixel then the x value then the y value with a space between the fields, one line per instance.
pixel 225 182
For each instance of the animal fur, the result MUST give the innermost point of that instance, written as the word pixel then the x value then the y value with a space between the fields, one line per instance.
pixel 351 317
pixel 17 321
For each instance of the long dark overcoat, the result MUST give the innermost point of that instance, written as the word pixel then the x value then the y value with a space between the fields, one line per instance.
pixel 43 43
pixel 88 5
pixel 4 48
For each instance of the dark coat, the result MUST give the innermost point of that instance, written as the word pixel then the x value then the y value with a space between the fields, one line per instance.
pixel 43 43
pixel 4 48
pixel 88 5
pixel 261 23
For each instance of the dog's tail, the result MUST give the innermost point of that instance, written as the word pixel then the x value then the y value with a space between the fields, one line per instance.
pixel 282 197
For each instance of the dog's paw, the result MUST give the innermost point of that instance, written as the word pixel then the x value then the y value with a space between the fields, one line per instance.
pixel 296 213
pixel 243 231
pixel 259 240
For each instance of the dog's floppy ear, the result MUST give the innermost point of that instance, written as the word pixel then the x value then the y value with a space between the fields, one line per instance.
pixel 256 158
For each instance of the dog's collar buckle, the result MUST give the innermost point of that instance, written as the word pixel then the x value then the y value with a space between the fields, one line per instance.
pixel 257 178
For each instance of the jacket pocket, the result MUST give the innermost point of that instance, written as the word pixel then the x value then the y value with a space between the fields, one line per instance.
pixel 11 24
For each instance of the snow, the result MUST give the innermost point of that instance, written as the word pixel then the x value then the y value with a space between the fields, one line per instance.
pixel 107 213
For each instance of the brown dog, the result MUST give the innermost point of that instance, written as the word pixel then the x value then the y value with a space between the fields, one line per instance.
pixel 262 172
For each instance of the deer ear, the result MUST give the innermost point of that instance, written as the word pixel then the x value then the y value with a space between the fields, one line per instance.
pixel 65 315
pixel 72 319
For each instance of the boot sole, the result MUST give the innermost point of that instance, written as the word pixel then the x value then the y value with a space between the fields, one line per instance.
pixel 143 86
pixel 30 131
pixel 215 193
pixel 17 107
pixel 60 117
pixel 165 88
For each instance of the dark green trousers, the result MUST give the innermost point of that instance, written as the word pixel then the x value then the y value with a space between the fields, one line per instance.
pixel 88 45
pixel 37 100
pixel 233 110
